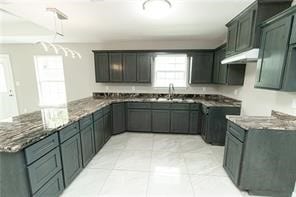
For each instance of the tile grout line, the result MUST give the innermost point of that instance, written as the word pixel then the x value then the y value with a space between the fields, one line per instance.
pixel 150 171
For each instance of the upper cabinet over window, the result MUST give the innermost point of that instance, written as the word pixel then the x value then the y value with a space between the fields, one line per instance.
pixel 244 29
pixel 276 66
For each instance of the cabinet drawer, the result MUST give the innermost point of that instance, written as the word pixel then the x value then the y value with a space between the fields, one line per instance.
pixel 52 188
pixel 139 105
pixel 68 132
pixel 40 148
pixel 236 131
pixel 98 114
pixel 180 106
pixel 195 106
pixel 85 121
pixel 106 109
pixel 44 169
pixel 161 105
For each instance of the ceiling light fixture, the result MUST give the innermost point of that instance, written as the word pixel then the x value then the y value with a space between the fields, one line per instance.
pixel 57 14
pixel 157 8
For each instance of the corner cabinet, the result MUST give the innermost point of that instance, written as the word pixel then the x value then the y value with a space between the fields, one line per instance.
pixel 276 64
pixel 201 67
pixel 244 30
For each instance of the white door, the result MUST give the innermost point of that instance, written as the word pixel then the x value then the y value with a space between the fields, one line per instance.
pixel 8 104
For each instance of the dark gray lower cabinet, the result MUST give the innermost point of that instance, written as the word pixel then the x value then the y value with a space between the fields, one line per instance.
pixel 139 120
pixel 87 144
pixel 194 126
pixel 214 123
pixel 71 158
pixel 161 120
pixel 52 188
pixel 261 161
pixel 232 160
pixel 107 126
pixel 99 133
pixel 118 117
pixel 179 121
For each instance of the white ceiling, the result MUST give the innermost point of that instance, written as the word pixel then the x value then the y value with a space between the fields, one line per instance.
pixel 117 20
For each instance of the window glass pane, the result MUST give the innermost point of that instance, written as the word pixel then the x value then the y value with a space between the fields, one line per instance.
pixel 170 69
pixel 50 77
pixel 3 85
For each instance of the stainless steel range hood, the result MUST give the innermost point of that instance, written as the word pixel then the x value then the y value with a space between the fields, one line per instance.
pixel 242 58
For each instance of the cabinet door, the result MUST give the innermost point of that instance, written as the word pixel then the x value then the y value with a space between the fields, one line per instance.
pixel 87 144
pixel 179 121
pixel 194 127
pixel 107 126
pixel 216 66
pixel 222 78
pixel 201 66
pixel 231 38
pixel 53 188
pixel 144 67
pixel 293 33
pixel 139 120
pixel 99 134
pixel 129 61
pixel 160 120
pixel 118 117
pixel 115 60
pixel 102 67
pixel 232 157
pixel 272 54
pixel 245 31
pixel 71 158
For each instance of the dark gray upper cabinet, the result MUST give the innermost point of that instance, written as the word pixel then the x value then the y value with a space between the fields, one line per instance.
pixel 201 67
pixel 102 67
pixel 129 61
pixel 273 52
pixel 118 117
pixel 71 158
pixel 161 120
pixel 227 74
pixel 244 29
pixel 87 144
pixel 144 61
pixel 115 60
pixel 231 37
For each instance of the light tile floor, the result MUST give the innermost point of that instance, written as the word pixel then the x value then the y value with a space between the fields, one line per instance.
pixel 155 165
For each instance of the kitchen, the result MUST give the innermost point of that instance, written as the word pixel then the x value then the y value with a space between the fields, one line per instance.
pixel 177 98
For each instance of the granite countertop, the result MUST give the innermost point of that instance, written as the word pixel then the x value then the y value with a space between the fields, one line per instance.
pixel 277 121
pixel 23 130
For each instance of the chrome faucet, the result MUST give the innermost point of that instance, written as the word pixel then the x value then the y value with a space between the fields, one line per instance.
pixel 171 90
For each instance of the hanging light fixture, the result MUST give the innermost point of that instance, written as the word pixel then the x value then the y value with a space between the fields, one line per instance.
pixel 56 47
pixel 157 8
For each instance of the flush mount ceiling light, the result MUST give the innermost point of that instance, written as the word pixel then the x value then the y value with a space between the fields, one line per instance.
pixel 157 8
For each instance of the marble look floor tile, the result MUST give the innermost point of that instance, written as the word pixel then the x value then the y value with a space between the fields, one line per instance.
pixel 198 163
pixel 168 162
pixel 194 145
pixel 140 135
pixel 214 186
pixel 105 159
pixel 134 160
pixel 169 185
pixel 166 144
pixel 88 183
pixel 125 184
pixel 116 143
pixel 139 143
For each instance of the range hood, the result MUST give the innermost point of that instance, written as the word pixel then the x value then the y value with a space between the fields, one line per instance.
pixel 242 58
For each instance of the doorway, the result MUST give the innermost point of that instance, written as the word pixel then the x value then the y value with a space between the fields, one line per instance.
pixel 8 103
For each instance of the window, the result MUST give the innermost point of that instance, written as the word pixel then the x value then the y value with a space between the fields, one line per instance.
pixel 170 69
pixel 3 85
pixel 50 79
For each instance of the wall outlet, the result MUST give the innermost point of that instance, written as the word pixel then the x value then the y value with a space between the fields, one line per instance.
pixel 294 104
pixel 107 87
pixel 235 92
pixel 204 89
pixel 133 88
pixel 25 110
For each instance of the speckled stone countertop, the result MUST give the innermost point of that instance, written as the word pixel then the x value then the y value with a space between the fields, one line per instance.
pixel 23 130
pixel 277 121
